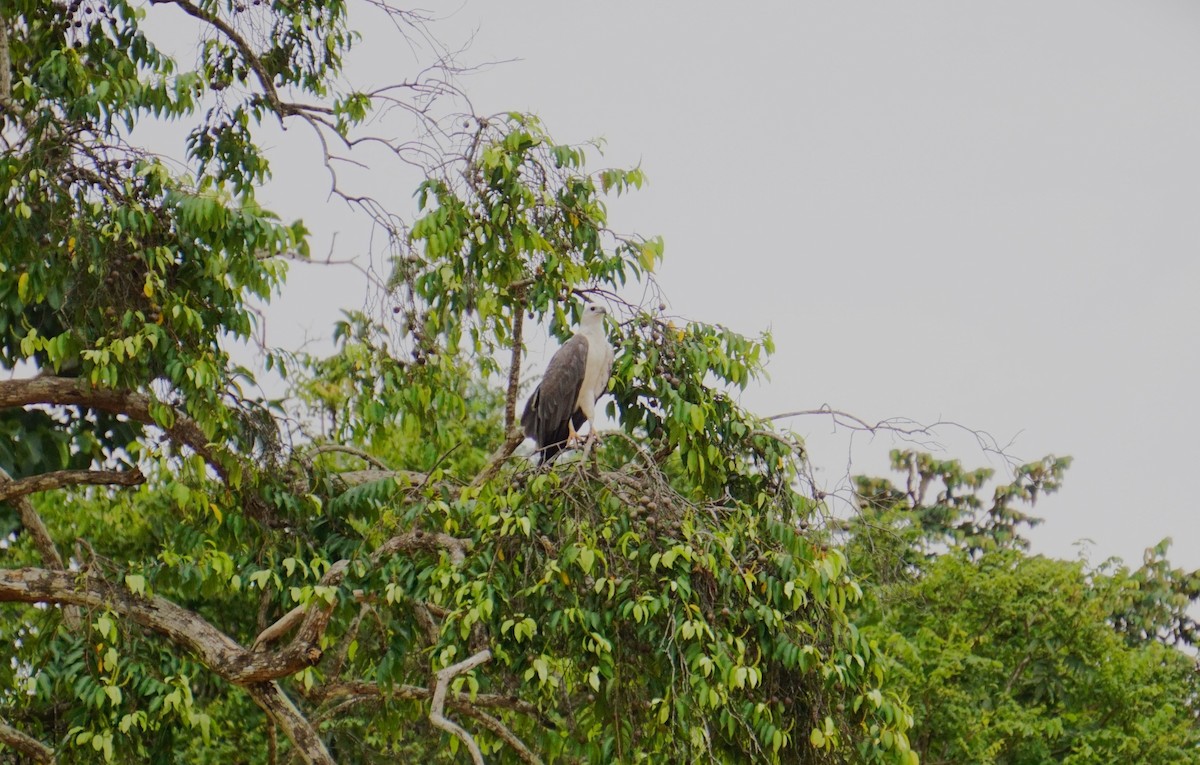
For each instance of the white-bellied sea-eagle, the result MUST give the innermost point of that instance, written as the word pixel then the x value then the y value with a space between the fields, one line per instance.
pixel 575 378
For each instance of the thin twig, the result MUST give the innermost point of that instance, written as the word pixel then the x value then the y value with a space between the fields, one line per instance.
pixel 514 368
pixel 264 78
pixel 904 427
pixel 411 478
pixel 342 449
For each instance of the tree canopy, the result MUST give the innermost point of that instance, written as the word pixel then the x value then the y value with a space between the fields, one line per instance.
pixel 363 567
pixel 1007 657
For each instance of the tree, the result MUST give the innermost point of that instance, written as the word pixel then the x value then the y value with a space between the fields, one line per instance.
pixel 1007 657
pixel 365 566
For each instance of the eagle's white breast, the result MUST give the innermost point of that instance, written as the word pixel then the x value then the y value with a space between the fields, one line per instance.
pixel 598 368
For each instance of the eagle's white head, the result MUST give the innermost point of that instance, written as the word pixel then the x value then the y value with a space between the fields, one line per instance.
pixel 593 315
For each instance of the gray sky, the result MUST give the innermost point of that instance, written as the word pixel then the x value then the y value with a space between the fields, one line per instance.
pixel 980 212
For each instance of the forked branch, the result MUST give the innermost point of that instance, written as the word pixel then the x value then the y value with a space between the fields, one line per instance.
pixel 437 707
pixel 253 671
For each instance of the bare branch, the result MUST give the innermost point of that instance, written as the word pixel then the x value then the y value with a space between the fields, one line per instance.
pixel 26 745
pixel 902 426
pixel 419 540
pixel 67 391
pixel 313 618
pixel 232 662
pixel 437 707
pixel 58 479
pixel 280 627
pixel 33 523
pixel 341 449
pixel 216 649
pixel 280 108
pixel 425 619
pixel 501 731
pixel 359 477
pixel 5 68
pixel 514 368
pixel 272 743
pixel 280 709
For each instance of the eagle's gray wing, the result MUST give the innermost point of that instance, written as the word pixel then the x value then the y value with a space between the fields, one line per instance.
pixel 552 404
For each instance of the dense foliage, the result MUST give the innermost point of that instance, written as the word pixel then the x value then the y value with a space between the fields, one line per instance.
pixel 367 569
pixel 1007 657
pixel 355 571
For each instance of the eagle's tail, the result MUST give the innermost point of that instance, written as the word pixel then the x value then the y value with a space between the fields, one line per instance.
pixel 553 441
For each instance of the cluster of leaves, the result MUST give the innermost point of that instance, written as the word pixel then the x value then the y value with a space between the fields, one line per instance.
pixel 518 230
pixel 663 601
pixel 1007 657
pixel 117 268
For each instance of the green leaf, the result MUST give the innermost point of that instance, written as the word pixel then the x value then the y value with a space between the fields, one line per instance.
pixel 136 583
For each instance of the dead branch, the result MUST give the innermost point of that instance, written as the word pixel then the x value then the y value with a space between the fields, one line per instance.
pixel 280 108
pixel 26 745
pixel 67 391
pixel 58 479
pixel 904 427
pixel 437 706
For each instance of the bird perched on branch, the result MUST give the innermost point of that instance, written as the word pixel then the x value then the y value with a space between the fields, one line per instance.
pixel 566 397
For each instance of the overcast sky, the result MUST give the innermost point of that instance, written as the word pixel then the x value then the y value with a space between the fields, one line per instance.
pixel 986 213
